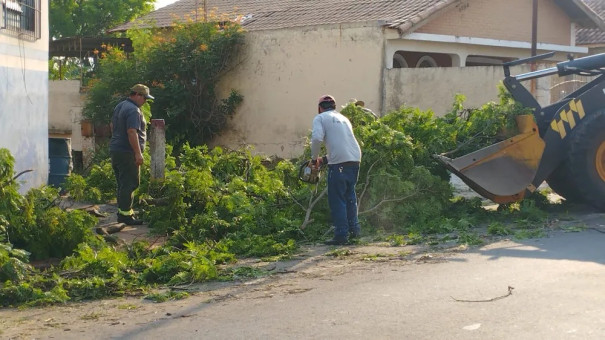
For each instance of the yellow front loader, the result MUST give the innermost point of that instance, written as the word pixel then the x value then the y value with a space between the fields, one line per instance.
pixel 562 144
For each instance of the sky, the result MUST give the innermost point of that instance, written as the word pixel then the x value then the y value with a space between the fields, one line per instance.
pixel 162 3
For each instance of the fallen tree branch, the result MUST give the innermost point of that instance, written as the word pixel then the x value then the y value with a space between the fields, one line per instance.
pixel 510 292
pixel 367 183
pixel 312 203
pixel 296 201
pixel 387 201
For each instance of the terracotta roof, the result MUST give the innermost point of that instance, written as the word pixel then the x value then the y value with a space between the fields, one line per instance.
pixel 276 14
pixel 404 15
pixel 590 36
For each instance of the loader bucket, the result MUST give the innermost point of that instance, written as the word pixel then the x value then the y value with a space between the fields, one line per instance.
pixel 504 171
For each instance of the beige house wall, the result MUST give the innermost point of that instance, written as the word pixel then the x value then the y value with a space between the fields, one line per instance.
pixel 65 111
pixel 65 105
pixel 435 88
pixel 503 19
pixel 284 72
pixel 596 49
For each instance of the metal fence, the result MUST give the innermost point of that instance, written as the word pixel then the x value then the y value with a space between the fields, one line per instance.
pixel 562 86
pixel 21 18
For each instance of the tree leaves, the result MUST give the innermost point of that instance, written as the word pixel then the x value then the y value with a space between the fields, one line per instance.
pixel 92 18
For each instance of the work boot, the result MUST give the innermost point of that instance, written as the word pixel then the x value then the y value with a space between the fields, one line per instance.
pixel 129 220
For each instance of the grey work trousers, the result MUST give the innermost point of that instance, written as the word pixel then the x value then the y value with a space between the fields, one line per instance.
pixel 127 177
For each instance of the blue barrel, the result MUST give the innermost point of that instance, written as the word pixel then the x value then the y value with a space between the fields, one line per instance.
pixel 59 154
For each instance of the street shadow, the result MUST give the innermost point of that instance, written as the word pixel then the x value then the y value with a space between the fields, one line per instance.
pixel 579 237
pixel 585 246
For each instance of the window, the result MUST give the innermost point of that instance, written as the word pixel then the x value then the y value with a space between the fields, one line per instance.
pixel 426 61
pixel 399 61
pixel 22 18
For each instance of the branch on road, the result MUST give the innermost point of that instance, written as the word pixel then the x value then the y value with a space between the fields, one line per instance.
pixel 510 292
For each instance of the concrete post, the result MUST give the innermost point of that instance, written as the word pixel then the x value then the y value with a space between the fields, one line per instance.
pixel 157 144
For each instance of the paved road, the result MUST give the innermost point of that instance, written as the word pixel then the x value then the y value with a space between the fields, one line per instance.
pixel 558 281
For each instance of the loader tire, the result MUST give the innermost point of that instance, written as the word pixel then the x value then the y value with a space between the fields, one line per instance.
pixel 581 176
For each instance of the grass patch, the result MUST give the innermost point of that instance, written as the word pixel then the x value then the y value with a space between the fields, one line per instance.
pixel 127 306
pixel 166 296
pixel 340 252
pixel 92 316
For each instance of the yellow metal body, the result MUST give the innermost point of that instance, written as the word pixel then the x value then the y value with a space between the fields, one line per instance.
pixel 503 172
pixel 600 161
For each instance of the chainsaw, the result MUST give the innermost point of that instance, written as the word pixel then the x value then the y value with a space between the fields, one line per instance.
pixel 309 174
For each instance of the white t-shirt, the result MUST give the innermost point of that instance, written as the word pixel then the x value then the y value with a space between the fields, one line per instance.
pixel 336 131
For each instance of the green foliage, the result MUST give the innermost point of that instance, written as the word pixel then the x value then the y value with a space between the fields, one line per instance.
pixel 97 262
pixel 397 240
pixel 243 273
pixel 526 210
pixel 114 77
pixel 54 232
pixel 71 18
pixel 398 190
pixel 470 238
pixel 529 233
pixel 260 246
pixel 34 223
pixel 163 297
pixel 10 199
pixel 475 128
pixel 217 194
pixel 26 293
pixel 65 68
pixel 186 66
pixel 182 67
pixel 574 228
pixel 101 181
pixel 99 186
pixel 339 252
pixel 216 204
pixel 499 228
pixel 195 263
pixel 13 263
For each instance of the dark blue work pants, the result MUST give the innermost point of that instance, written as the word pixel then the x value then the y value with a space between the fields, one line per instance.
pixel 343 200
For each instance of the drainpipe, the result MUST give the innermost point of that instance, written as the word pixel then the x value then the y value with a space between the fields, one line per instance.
pixel 382 89
pixel 534 28
pixel 534 41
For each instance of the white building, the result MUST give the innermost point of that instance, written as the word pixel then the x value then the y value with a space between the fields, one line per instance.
pixel 24 38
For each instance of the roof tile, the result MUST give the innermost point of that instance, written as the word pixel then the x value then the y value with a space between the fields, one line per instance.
pixel 588 36
pixel 276 14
